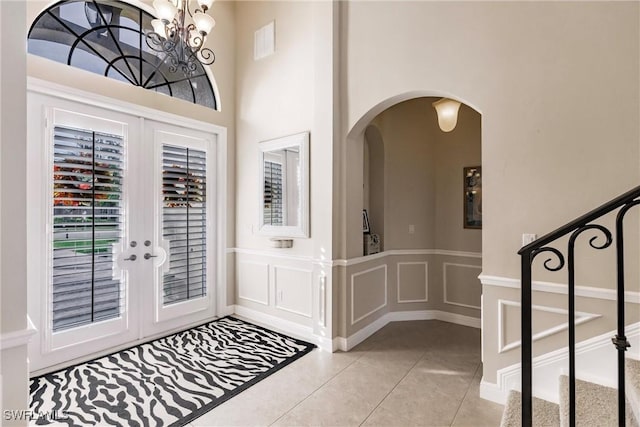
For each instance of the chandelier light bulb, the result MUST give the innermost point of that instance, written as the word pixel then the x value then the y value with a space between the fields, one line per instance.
pixel 159 27
pixel 205 4
pixel 165 10
pixel 204 23
pixel 447 110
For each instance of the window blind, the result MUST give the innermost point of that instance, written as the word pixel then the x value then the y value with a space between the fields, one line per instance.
pixel 87 227
pixel 273 193
pixel 184 222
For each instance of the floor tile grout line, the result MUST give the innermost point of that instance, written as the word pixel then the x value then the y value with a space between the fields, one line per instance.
pixel 466 393
pixel 394 387
pixel 314 391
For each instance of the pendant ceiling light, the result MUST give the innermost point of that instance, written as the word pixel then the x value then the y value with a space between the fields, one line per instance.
pixel 447 110
pixel 180 33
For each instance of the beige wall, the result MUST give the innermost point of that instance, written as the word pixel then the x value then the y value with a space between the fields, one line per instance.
pixel 535 72
pixel 557 86
pixel 423 176
pixel 410 176
pixel 423 179
pixel 374 188
pixel 13 291
pixel 455 150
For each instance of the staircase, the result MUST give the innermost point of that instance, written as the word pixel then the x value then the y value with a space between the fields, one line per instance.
pixel 596 405
pixel 581 403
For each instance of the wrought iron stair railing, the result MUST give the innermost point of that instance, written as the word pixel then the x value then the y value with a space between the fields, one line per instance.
pixel 528 253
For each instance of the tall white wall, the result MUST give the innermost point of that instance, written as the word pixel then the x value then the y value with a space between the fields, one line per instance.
pixel 13 198
pixel 288 92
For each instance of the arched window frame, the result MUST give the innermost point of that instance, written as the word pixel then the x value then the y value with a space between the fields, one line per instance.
pixel 134 78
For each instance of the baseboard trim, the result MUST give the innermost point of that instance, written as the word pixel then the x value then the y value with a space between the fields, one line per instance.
pixel 286 326
pixel 226 310
pixel 346 344
pixel 492 392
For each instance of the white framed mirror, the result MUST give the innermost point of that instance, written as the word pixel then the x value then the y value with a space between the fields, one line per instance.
pixel 284 184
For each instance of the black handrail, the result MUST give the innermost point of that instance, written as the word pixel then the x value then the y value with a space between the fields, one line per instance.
pixel 528 253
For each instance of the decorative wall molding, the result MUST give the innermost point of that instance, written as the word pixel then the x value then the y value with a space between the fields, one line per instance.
pixel 560 288
pixel 403 252
pixel 308 283
pixel 17 338
pixel 354 261
pixel 384 304
pixel 266 282
pixel 445 283
pixel 346 344
pixel 273 254
pixel 503 346
pixel 426 282
pixel 596 358
pixel 322 300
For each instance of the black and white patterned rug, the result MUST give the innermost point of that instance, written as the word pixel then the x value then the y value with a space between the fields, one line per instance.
pixel 166 382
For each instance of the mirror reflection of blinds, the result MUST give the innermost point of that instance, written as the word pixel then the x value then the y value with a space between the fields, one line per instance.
pixel 273 193
pixel 184 222
pixel 87 227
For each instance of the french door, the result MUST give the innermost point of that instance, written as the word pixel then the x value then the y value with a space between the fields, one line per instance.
pixel 123 241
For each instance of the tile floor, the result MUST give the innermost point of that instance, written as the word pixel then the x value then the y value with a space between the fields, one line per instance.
pixel 421 373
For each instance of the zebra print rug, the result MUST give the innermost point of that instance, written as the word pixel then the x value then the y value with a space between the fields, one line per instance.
pixel 166 382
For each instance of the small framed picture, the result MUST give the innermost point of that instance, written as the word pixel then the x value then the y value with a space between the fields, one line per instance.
pixel 472 178
pixel 365 222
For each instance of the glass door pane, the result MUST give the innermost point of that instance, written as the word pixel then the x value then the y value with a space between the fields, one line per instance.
pixel 184 222
pixel 182 251
pixel 87 227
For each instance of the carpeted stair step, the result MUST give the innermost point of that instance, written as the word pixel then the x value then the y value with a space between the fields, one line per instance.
pixel 545 413
pixel 632 367
pixel 596 405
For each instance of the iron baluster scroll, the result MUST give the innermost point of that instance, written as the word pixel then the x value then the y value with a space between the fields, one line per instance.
pixel 602 240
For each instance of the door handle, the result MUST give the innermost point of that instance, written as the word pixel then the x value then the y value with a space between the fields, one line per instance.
pixel 132 257
pixel 148 256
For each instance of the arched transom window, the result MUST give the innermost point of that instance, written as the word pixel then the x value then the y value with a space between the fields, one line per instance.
pixel 109 37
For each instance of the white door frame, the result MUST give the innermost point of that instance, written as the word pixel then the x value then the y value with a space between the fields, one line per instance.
pixel 34 280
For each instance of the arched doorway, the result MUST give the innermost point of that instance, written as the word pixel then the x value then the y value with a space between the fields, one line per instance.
pixel 431 252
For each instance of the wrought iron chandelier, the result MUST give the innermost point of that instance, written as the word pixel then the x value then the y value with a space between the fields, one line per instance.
pixel 180 34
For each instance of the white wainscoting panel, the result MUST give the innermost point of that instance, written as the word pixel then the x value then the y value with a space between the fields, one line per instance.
pixel 451 279
pixel 293 290
pixel 413 282
pixel 253 281
pixel 369 288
